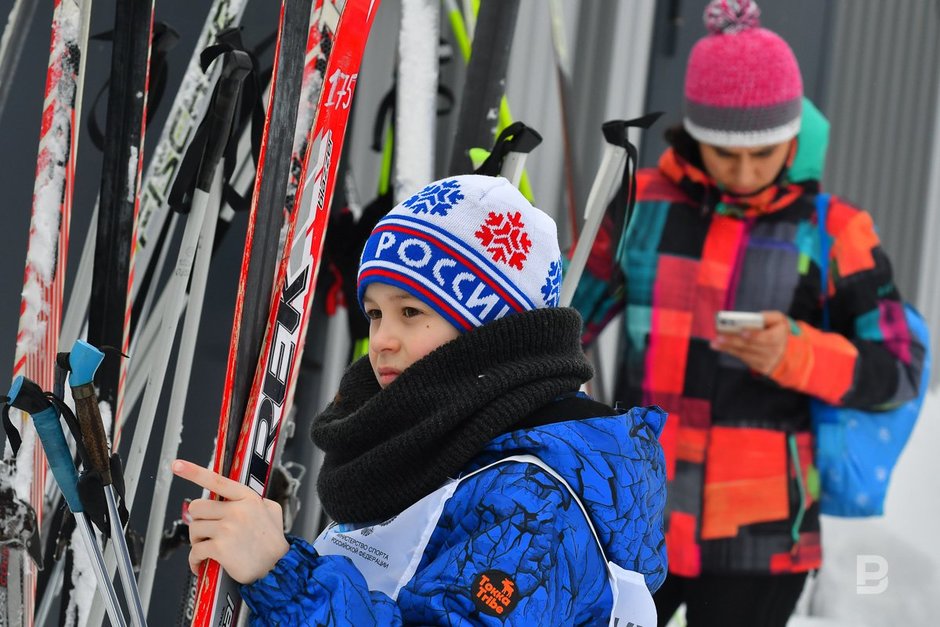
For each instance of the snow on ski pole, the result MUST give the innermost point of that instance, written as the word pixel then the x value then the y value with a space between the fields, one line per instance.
pixel 30 399
pixel 84 360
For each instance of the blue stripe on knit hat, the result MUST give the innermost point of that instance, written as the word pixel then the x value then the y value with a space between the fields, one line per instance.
pixel 471 247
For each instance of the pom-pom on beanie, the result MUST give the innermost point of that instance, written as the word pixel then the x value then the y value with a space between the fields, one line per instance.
pixel 472 247
pixel 743 86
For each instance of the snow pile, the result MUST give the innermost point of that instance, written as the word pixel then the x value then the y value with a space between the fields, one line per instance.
pixel 905 542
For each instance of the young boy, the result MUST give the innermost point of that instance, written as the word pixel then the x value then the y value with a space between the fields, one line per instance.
pixel 472 482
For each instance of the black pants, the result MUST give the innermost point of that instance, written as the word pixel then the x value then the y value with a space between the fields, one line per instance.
pixel 730 600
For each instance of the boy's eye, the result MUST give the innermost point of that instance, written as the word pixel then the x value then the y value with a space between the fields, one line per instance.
pixel 374 314
pixel 410 312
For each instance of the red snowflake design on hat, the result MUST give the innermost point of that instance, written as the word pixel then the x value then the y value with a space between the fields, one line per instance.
pixel 504 238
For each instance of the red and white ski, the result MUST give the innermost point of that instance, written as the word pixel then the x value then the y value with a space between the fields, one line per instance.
pixel 348 21
pixel 41 307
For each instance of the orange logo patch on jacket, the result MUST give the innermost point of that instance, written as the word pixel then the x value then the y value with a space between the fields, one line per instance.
pixel 494 593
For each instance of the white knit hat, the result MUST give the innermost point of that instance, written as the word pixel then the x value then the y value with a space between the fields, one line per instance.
pixel 472 247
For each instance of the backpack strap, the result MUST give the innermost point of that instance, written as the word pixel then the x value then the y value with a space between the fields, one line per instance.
pixel 822 210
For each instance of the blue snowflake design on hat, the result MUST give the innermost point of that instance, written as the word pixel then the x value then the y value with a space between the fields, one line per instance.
pixel 435 199
pixel 551 291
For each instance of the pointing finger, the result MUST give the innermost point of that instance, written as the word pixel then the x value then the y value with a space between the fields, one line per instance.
pixel 215 483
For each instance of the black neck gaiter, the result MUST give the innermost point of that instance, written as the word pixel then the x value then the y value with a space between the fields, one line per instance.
pixel 386 449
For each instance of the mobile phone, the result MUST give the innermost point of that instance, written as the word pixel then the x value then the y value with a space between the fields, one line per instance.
pixel 737 321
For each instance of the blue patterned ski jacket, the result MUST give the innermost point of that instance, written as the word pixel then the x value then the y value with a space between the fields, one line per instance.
pixel 515 520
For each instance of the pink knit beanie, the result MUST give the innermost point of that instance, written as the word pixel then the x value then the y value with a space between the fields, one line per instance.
pixel 742 84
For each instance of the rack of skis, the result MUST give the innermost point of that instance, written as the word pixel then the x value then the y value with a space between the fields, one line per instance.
pixel 253 138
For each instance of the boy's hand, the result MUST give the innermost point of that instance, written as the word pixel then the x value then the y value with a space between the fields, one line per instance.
pixel 244 533
pixel 761 350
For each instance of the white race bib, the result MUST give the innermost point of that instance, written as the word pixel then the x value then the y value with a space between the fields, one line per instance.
pixel 387 554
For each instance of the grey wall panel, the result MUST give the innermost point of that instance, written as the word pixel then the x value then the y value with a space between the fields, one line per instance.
pixel 609 48
pixel 928 286
pixel 881 95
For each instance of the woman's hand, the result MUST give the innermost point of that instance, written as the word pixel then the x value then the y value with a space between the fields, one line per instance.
pixel 761 350
pixel 244 533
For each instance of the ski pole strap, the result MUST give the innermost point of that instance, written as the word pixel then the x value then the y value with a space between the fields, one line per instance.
pixel 65 412
pixel 236 65
pixel 180 196
pixel 250 108
pixel 117 481
pixel 26 396
pixel 385 113
pixel 13 436
pixel 163 40
pixel 515 138
pixel 616 133
pixel 617 148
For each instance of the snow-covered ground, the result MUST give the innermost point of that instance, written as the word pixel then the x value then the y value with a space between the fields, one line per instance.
pixel 906 541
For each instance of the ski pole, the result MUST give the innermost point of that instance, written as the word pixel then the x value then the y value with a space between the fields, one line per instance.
pixel 523 142
pixel 84 360
pixel 201 226
pixel 616 150
pixel 615 154
pixel 29 398
pixel 510 150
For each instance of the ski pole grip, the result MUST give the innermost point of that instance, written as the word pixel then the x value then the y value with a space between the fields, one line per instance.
pixel 84 361
pixel 615 132
pixel 236 65
pixel 28 397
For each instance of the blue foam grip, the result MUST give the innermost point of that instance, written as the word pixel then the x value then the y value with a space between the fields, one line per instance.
pixel 84 361
pixel 15 388
pixel 60 458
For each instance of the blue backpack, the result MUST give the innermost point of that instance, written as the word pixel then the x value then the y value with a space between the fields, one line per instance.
pixel 856 450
